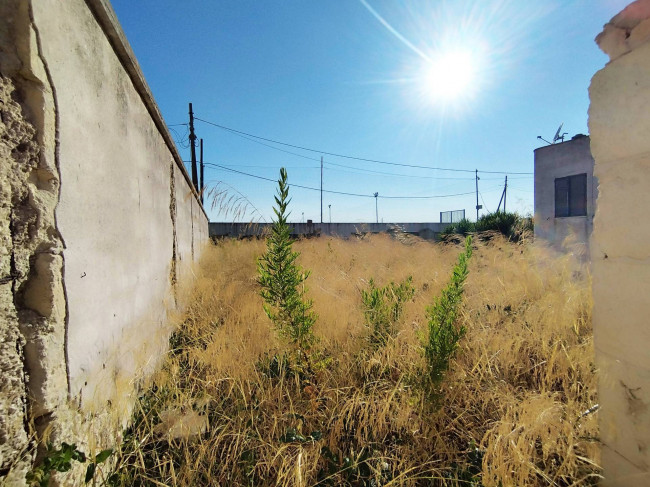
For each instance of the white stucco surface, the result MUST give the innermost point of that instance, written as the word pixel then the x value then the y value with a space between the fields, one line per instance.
pixel 619 123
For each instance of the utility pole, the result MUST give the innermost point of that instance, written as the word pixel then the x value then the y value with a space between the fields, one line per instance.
pixel 321 190
pixel 478 207
pixel 376 207
pixel 503 195
pixel 195 178
pixel 202 170
pixel 330 208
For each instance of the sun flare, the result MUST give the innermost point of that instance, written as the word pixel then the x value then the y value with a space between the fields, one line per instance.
pixel 450 76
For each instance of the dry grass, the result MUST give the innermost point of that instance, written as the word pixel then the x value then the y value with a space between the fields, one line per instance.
pixel 512 405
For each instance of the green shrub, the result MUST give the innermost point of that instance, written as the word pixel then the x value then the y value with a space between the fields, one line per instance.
pixel 383 307
pixel 444 334
pixel 61 460
pixel 462 227
pixel 511 225
pixel 283 281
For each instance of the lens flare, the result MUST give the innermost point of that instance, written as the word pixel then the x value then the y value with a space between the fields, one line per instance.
pixel 449 76
pixel 454 54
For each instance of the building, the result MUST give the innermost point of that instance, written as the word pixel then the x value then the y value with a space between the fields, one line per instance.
pixel 565 194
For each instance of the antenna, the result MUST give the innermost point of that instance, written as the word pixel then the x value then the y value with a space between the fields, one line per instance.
pixel 557 134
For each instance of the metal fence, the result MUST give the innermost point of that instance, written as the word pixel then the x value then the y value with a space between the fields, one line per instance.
pixel 453 216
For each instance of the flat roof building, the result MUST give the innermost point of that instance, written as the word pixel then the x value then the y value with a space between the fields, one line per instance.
pixel 565 194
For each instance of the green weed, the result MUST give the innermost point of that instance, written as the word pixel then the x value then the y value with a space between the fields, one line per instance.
pixel 444 332
pixel 382 308
pixel 283 281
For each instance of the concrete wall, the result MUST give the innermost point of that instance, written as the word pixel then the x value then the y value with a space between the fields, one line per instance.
pixel 619 122
pixel 424 230
pixel 557 161
pixel 99 226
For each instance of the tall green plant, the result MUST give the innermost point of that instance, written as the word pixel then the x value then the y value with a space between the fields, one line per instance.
pixel 444 334
pixel 283 281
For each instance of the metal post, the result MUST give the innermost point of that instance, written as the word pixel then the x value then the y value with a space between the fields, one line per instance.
pixel 478 207
pixel 376 207
pixel 505 194
pixel 195 177
pixel 202 186
pixel 330 208
pixel 321 190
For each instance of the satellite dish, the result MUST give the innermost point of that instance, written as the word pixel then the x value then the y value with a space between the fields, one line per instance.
pixel 557 134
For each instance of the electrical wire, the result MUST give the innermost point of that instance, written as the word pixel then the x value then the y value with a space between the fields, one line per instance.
pixel 268 167
pixel 344 156
pixel 484 205
pixel 270 146
pixel 392 174
pixel 335 192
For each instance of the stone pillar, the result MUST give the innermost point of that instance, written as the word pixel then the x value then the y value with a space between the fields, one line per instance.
pixel 619 122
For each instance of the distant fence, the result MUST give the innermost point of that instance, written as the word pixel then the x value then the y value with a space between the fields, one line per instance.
pixel 453 216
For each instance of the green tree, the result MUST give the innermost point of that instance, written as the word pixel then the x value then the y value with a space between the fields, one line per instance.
pixel 283 281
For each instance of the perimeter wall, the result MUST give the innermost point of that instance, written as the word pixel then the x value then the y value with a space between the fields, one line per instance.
pixel 99 228
pixel 619 122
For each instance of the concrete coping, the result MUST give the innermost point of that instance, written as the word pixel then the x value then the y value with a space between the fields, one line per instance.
pixel 107 20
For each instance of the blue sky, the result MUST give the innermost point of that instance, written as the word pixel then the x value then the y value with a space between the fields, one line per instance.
pixel 460 85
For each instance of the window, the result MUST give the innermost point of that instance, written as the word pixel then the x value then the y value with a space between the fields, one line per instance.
pixel 571 196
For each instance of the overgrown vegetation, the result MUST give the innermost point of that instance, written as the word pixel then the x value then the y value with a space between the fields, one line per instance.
pixel 230 406
pixel 511 225
pixel 225 409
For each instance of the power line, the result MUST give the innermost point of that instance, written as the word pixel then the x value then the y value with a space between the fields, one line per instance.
pixel 344 156
pixel 225 168
pixel 269 167
pixel 267 145
pixel 382 173
pixel 484 205
pixel 402 175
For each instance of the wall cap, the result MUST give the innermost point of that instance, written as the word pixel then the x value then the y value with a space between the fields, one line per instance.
pixel 110 25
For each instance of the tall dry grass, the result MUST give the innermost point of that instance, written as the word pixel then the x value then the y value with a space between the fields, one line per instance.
pixel 225 411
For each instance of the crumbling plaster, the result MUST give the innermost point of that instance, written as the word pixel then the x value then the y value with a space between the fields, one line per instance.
pixel 620 126
pixel 32 295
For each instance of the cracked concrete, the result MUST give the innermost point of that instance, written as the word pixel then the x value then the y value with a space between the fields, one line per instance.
pixel 32 353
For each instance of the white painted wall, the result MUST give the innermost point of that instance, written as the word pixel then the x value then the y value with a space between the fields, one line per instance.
pixel 619 122
pixel 114 207
pixel 119 225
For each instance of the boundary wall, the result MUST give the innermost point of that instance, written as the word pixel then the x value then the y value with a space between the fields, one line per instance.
pixel 619 123
pixel 99 228
pixel 427 231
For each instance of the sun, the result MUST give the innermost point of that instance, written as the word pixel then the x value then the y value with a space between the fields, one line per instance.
pixel 450 76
